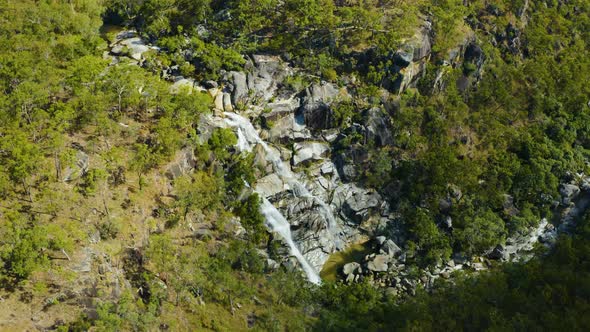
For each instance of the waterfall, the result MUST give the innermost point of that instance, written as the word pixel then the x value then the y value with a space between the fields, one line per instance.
pixel 247 138
pixel 280 225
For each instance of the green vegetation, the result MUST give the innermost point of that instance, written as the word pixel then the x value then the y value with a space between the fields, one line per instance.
pixel 94 231
pixel 552 294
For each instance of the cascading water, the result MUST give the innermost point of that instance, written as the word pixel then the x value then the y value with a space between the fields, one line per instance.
pixel 247 134
pixel 247 138
pixel 279 224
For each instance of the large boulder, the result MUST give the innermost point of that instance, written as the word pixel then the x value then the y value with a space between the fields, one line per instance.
pixel 409 61
pixel 390 249
pixel 357 207
pixel 379 263
pixel 415 49
pixel 79 169
pixel 267 73
pixel 347 161
pixel 350 268
pixel 499 253
pixel 129 43
pixel 305 151
pixel 240 88
pixel 315 109
pixel 270 185
pixel 422 43
pixel 182 84
pixel 286 127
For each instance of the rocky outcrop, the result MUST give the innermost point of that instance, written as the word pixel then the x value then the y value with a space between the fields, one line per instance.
pixel 270 185
pixel 79 168
pixel 410 60
pixel 183 164
pixel 378 127
pixel 359 205
pixel 315 110
pixel 182 84
pixel 378 263
pixel 259 83
pixel 128 43
pixel 239 95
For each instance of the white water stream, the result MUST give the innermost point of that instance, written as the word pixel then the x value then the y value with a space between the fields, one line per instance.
pixel 247 138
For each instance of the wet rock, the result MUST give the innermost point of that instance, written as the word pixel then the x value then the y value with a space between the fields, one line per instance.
pixel 585 184
pixel 447 222
pixel 498 253
pixel 548 238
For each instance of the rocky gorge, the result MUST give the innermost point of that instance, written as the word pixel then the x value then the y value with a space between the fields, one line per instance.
pixel 309 183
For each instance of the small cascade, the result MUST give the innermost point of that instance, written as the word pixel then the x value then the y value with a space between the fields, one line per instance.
pixel 247 138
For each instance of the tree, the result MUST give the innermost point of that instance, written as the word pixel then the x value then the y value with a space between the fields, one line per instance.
pixel 432 244
pixel 197 193
pixel 20 158
pixel 251 218
pixel 21 246
pixel 481 233
pixel 143 160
